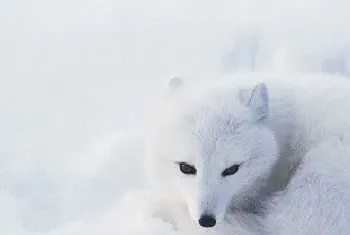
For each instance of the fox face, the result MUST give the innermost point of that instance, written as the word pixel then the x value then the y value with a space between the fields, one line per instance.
pixel 209 153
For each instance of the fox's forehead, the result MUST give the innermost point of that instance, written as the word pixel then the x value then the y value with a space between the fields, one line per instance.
pixel 207 135
pixel 223 140
pixel 204 127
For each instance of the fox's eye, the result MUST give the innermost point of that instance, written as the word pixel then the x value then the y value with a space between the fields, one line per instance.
pixel 230 171
pixel 187 169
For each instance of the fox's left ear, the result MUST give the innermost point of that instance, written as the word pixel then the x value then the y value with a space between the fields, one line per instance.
pixel 257 100
pixel 175 83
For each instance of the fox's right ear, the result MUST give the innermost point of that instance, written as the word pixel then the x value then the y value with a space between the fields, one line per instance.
pixel 175 83
pixel 257 100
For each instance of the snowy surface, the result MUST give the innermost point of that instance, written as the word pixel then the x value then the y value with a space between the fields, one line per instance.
pixel 77 79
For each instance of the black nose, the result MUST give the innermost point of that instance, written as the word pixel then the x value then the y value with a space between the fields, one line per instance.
pixel 207 221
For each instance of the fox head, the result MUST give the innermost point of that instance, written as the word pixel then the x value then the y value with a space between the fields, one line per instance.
pixel 209 148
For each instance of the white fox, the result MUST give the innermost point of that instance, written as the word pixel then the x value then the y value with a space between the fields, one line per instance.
pixel 225 148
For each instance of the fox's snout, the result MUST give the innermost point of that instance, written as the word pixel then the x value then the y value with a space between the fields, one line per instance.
pixel 207 220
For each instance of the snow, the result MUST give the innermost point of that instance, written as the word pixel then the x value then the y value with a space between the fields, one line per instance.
pixel 78 78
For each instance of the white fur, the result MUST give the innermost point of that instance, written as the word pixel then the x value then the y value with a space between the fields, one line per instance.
pixel 265 123
pixel 316 201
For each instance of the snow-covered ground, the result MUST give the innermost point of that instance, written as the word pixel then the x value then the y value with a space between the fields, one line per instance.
pixel 78 77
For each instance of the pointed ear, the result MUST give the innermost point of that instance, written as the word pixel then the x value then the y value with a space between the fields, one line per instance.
pixel 175 83
pixel 257 100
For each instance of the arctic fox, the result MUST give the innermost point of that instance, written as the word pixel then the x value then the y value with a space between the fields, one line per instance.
pixel 226 146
